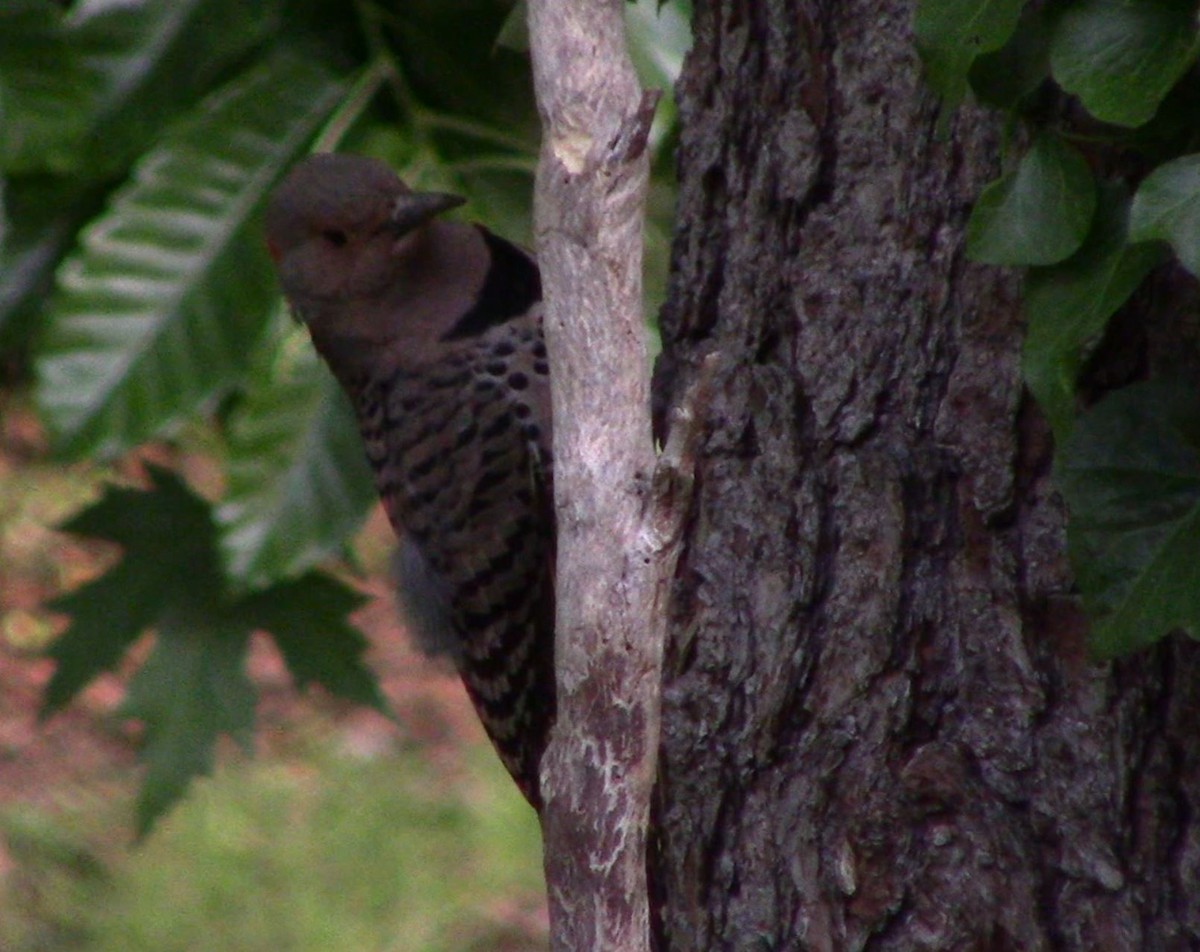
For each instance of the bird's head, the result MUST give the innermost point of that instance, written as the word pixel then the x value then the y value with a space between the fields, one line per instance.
pixel 341 228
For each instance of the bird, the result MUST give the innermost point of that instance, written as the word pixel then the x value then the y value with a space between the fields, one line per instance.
pixel 433 328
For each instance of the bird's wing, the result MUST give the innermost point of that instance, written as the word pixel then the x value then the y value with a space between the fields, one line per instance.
pixel 467 477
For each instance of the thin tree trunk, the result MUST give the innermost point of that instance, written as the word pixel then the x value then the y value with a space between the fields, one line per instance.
pixel 617 532
pixel 880 726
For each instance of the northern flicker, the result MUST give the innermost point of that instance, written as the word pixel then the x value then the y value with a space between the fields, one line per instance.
pixel 433 329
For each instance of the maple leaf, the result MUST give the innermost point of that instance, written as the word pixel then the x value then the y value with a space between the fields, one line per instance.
pixel 193 687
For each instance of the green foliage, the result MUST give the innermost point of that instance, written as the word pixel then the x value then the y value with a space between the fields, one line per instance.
pixel 1131 475
pixel 1038 214
pixel 169 291
pixel 1128 466
pixel 1004 77
pixel 42 215
pixel 138 143
pixel 1120 58
pixel 1167 207
pixel 193 686
pixel 298 482
pixel 1068 306
pixel 44 110
pixel 952 33
pixel 1088 248
pixel 116 75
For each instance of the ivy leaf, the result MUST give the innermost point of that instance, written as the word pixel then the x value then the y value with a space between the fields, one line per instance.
pixel 1130 474
pixel 1006 76
pixel 160 309
pixel 1068 306
pixel 298 480
pixel 952 33
pixel 1167 207
pixel 1038 214
pixel 1122 58
pixel 193 686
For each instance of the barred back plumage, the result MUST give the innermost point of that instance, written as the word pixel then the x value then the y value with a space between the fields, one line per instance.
pixel 443 358
pixel 462 464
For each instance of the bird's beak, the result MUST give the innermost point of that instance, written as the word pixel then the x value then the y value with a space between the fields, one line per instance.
pixel 416 208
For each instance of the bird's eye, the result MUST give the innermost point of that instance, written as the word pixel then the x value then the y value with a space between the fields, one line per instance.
pixel 335 236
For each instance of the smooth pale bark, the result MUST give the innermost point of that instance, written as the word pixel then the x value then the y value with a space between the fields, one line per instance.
pixel 617 519
pixel 880 727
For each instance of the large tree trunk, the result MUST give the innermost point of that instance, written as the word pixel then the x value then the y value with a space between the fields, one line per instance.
pixel 880 726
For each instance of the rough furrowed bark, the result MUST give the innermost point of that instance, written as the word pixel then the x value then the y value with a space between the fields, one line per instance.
pixel 617 524
pixel 880 728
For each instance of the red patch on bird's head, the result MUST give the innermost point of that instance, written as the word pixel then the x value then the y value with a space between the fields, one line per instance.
pixel 273 250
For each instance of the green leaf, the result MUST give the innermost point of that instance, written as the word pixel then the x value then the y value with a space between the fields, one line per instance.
pixel 307 618
pixel 44 96
pixel 1167 207
pixel 1038 214
pixel 107 616
pixel 145 62
pixel 1004 77
pixel 86 93
pixel 298 480
pixel 514 33
pixel 160 309
pixel 952 33
pixel 1131 477
pixel 1121 57
pixel 192 689
pixel 1068 306
pixel 193 686
pixel 43 214
pixel 452 65
pixel 167 536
